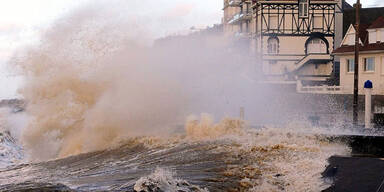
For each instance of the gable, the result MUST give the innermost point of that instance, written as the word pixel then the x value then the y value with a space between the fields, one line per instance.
pixel 349 38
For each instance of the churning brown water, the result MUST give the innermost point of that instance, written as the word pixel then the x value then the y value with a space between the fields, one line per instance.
pixel 210 157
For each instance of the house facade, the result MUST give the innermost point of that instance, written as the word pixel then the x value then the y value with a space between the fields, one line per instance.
pixel 308 43
pixel 291 39
pixel 295 39
pixel 371 58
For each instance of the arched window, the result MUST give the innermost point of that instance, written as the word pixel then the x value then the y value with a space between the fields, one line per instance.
pixel 316 45
pixel 273 45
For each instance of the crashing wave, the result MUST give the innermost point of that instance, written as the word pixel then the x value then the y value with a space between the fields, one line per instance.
pixel 10 152
pixel 163 180
pixel 206 128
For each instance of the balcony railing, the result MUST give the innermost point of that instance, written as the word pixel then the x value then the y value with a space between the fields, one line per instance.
pixel 234 3
pixel 240 17
pixel 242 34
pixel 314 57
pixel 324 89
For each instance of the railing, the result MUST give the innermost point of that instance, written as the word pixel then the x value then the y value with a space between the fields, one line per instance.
pixel 242 34
pixel 308 58
pixel 324 89
pixel 235 18
pixel 238 17
pixel 234 3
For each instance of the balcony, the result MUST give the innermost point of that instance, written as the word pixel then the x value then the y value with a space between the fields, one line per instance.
pixel 236 19
pixel 234 3
pixel 312 58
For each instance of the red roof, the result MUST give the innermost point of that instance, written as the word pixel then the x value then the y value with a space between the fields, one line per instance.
pixel 364 39
pixel 366 47
pixel 379 23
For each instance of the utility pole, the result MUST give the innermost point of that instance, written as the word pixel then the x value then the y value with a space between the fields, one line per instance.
pixel 356 75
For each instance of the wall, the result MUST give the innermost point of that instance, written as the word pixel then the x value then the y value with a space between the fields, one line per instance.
pixel 292 50
pixel 229 12
pixel 377 77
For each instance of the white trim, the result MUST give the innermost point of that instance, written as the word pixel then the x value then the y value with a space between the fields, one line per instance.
pixel 345 36
pixel 349 31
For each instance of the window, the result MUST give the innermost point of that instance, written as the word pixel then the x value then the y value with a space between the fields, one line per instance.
pixel 350 65
pixel 381 36
pixel 273 45
pixel 372 36
pixel 303 8
pixel 369 64
pixel 382 65
pixel 316 45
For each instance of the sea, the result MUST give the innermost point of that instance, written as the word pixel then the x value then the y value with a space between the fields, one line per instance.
pixel 205 156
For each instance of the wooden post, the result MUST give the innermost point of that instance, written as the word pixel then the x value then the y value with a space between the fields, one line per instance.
pixel 356 75
pixel 242 113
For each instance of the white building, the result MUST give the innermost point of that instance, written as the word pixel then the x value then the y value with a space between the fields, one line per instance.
pixel 371 60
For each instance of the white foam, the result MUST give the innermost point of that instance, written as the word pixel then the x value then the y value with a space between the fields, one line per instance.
pixel 10 152
pixel 164 180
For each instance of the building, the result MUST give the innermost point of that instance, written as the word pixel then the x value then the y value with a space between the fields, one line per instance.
pixel 292 41
pixel 309 45
pixel 295 39
pixel 272 27
pixel 237 18
pixel 371 61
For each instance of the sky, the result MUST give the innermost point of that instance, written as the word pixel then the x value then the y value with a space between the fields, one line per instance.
pixel 21 22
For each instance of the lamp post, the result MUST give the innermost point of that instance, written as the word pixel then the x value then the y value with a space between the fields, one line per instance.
pixel 356 75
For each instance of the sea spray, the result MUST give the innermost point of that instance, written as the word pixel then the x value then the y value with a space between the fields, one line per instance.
pixel 87 88
pixel 93 81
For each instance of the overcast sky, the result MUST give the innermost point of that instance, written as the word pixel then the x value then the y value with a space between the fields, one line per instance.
pixel 21 21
